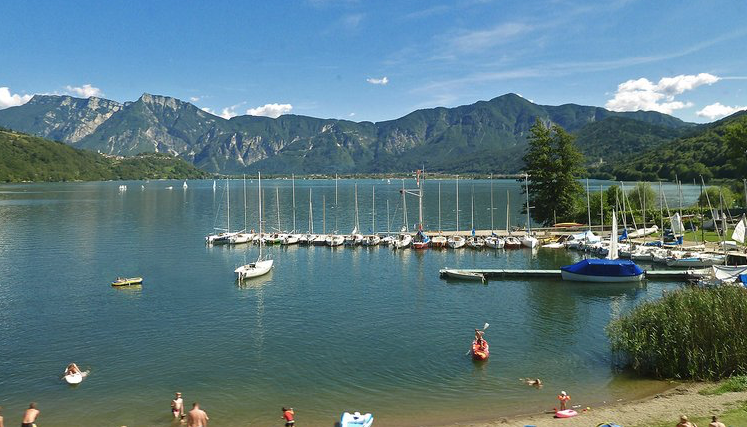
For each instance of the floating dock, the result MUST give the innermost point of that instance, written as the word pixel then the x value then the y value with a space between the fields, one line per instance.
pixel 555 274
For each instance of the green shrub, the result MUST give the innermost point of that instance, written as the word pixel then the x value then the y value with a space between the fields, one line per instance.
pixel 691 333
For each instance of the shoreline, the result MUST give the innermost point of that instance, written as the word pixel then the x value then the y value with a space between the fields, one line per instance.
pixel 666 406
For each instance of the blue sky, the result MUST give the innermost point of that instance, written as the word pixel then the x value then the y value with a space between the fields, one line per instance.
pixel 331 58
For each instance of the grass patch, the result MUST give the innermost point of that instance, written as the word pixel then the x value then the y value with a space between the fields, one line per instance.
pixel 738 383
pixel 692 333
pixel 736 417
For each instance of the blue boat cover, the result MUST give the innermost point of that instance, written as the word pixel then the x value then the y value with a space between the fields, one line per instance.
pixel 743 279
pixel 604 267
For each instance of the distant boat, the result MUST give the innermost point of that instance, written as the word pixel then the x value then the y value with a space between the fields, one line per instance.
pixel 528 240
pixel 462 274
pixel 403 240
pixel 495 242
pixel 185 186
pixel 214 186
pixel 224 237
pixel 456 242
pixel 122 281
pixel 169 188
pixel 122 188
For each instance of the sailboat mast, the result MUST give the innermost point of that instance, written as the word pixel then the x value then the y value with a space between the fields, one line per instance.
pixel 472 218
pixel 404 206
pixel 293 187
pixel 388 231
pixel 457 203
pixel 642 189
pixel 277 206
pixel 421 182
pixel 439 206
pixel 336 178
pixel 228 208
pixel 661 211
pixel 588 203
pixel 529 223
pixel 508 213
pixel 491 204
pixel 311 214
pixel 357 226
pixel 324 214
pixel 601 208
pixel 259 195
pixel 244 202
pixel 373 209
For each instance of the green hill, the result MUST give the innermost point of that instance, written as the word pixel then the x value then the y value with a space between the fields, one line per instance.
pixel 699 151
pixel 25 157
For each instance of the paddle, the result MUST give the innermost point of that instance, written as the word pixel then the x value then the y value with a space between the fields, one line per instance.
pixel 483 329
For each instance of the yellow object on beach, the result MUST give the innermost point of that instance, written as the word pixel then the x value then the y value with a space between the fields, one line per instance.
pixel 122 281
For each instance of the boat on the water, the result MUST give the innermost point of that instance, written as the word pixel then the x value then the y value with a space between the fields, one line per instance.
pixel 456 242
pixel 371 240
pixel 602 270
pixel 335 240
pixel 123 281
pixel 480 351
pixel 462 274
pixel 421 241
pixel 475 242
pixel 438 241
pixel 75 378
pixel 261 266
pixel 356 419
pixel 512 242
pixel 403 240
pixel 495 242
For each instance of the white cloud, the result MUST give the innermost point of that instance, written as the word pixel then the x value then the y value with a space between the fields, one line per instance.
pixel 643 94
pixel 382 81
pixel 8 99
pixel 226 113
pixel 717 110
pixel 194 98
pixel 352 21
pixel 270 110
pixel 86 91
pixel 351 115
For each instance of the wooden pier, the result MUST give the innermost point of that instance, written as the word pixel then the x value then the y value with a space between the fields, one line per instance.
pixel 555 274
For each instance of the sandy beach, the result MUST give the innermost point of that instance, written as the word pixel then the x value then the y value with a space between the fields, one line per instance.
pixel 680 399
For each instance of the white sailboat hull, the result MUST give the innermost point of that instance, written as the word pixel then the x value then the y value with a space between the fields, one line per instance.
pixel 254 269
pixel 529 242
pixel 456 242
pixel 403 241
pixel 495 242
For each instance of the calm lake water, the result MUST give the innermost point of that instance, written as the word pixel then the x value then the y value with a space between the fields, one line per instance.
pixel 328 330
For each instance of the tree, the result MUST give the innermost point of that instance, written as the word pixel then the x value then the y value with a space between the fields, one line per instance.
pixel 554 165
pixel 641 193
pixel 715 195
pixel 736 139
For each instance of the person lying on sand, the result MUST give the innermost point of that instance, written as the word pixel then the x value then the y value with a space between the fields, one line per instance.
pixel 535 382
pixel 715 422
pixel 685 423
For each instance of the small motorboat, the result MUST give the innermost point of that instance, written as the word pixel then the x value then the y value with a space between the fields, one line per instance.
pixel 512 243
pixel 456 242
pixel 494 242
pixel 356 419
pixel 602 270
pixel 371 240
pixel 480 351
pixel 75 378
pixel 124 281
pixel 462 274
pixel 438 241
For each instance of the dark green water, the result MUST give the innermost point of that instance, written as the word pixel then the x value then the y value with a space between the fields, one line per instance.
pixel 328 330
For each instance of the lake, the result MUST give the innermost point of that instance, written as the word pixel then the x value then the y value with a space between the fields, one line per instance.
pixel 328 330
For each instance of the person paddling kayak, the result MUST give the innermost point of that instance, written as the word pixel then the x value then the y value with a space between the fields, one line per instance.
pixel 478 337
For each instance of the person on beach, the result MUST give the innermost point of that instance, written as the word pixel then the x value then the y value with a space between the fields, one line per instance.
pixel 714 422
pixel 685 423
pixel 197 417
pixel 289 417
pixel 29 417
pixel 1 417
pixel 563 397
pixel 72 369
pixel 177 406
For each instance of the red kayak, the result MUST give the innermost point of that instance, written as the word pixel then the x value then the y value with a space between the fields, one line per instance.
pixel 480 352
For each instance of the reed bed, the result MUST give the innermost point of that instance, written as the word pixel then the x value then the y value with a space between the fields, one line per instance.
pixel 692 333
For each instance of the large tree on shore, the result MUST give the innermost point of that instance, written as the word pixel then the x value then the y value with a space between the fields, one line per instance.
pixel 554 165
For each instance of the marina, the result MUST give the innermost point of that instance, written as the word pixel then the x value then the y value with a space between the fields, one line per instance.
pixel 226 343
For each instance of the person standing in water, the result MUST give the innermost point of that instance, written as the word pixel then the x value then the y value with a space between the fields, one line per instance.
pixel 29 417
pixel 177 406
pixel 289 417
pixel 197 417
pixel 563 398
pixel 685 423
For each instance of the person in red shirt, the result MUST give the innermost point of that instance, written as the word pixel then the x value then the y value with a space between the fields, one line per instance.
pixel 288 416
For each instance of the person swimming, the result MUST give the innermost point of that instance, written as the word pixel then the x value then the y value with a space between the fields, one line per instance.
pixel 535 382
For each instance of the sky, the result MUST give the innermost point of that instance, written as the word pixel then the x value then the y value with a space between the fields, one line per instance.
pixel 379 60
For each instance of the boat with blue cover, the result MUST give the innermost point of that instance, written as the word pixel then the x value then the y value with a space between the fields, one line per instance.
pixel 602 270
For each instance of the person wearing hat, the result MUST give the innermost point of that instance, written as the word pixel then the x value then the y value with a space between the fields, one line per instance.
pixel 563 398
pixel 685 423
pixel 177 406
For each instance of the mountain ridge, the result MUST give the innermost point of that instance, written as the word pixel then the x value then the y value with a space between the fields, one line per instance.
pixel 485 135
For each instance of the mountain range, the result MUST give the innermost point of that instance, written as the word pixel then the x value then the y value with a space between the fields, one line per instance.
pixel 487 136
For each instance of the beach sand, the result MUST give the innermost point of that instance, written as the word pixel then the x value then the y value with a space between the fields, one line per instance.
pixel 681 399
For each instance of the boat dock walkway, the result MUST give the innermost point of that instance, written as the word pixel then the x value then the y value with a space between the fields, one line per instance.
pixel 555 274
